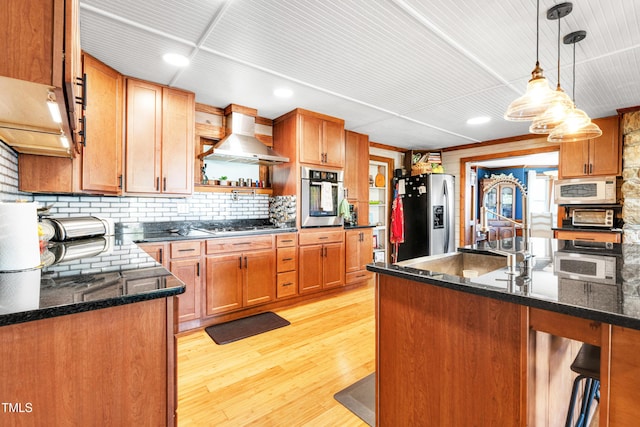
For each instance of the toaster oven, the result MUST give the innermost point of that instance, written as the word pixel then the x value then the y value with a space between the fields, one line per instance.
pixel 592 218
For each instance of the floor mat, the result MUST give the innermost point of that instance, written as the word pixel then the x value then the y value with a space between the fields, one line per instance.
pixel 235 330
pixel 360 398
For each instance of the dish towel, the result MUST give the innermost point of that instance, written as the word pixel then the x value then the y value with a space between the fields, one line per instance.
pixel 343 210
pixel 326 197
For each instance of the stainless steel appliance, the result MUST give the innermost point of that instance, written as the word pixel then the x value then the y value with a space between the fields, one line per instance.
pixel 592 190
pixel 428 205
pixel 321 194
pixel 588 267
pixel 79 227
pixel 592 217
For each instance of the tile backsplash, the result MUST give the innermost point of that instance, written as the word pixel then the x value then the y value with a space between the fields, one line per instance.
pixel 199 207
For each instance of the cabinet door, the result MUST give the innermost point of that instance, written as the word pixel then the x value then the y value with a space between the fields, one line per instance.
pixel 603 297
pixel 144 132
pixel 353 242
pixel 507 201
pixel 178 109
pixel 366 248
pixel 353 170
pixel 574 157
pixel 157 251
pixel 310 259
pixel 259 277
pixel 310 140
pixel 604 151
pixel 102 152
pixel 188 271
pixel 224 283
pixel 333 265
pixel 333 143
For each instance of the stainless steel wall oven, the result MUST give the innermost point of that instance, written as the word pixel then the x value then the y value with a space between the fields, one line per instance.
pixel 321 194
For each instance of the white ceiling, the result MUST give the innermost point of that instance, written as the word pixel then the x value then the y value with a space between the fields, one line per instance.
pixel 408 73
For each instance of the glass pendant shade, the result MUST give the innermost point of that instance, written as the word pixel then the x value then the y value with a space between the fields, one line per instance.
pixel 558 109
pixel 535 100
pixel 575 128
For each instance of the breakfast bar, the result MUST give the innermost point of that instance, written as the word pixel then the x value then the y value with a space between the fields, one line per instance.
pixel 494 348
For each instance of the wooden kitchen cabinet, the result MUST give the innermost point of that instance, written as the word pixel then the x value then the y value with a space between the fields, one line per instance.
pixel 589 294
pixel 358 253
pixel 157 251
pixel 286 265
pixel 101 153
pixel 592 236
pixel 322 140
pixel 240 272
pixel 600 156
pixel 185 263
pixel 356 173
pixel 40 43
pixel 321 260
pixel 159 143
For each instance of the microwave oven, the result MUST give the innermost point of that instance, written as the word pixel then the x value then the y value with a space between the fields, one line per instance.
pixel 587 267
pixel 585 191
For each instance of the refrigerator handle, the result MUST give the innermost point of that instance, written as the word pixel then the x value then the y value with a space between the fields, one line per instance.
pixel 447 221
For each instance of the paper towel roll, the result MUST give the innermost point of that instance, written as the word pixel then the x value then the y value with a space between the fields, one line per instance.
pixel 19 246
pixel 19 291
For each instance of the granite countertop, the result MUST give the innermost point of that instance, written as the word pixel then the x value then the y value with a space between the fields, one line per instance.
pixel 596 281
pixel 186 230
pixel 354 227
pixel 84 275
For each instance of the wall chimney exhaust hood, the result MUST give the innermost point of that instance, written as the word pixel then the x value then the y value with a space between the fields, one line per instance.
pixel 26 123
pixel 241 146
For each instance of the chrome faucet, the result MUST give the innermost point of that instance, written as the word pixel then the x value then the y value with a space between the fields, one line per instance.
pixel 526 227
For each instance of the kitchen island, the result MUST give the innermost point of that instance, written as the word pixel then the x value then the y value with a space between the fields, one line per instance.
pixel 492 350
pixel 89 339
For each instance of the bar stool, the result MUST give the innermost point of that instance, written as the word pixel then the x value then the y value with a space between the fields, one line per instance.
pixel 587 366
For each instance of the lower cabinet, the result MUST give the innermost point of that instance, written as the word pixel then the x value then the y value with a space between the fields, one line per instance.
pixel 240 272
pixel 359 250
pixel 590 294
pixel 286 266
pixel 591 236
pixel 321 264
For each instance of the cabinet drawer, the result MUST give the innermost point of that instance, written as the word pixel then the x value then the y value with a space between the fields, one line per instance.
pixel 239 244
pixel 314 238
pixel 287 284
pixel 358 276
pixel 592 236
pixel 185 249
pixel 285 240
pixel 287 259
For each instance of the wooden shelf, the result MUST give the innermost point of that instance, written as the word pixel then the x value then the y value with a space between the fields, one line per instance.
pixel 210 188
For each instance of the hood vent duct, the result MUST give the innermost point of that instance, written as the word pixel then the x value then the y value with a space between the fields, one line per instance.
pixel 241 146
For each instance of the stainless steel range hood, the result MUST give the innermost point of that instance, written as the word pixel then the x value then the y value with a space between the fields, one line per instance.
pixel 241 146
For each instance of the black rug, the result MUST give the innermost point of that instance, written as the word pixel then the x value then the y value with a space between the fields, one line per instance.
pixel 235 330
pixel 360 398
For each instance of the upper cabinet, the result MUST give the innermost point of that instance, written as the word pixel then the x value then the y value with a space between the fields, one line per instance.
pixel 101 149
pixel 321 140
pixel 159 153
pixel 599 156
pixel 356 173
pixel 39 41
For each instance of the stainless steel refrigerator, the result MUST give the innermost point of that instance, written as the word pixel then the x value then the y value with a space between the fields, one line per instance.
pixel 428 205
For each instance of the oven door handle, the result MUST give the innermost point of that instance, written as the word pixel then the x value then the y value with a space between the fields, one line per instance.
pixel 333 184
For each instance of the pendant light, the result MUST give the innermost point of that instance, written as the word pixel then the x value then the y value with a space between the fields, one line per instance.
pixel 538 95
pixel 577 125
pixel 560 102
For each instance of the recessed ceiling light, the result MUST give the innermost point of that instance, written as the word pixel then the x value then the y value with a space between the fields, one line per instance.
pixel 283 92
pixel 478 120
pixel 176 59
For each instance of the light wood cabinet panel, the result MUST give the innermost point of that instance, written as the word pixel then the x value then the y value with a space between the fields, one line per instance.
pixel 310 268
pixel 159 145
pixel 624 377
pixel 333 265
pixel 333 142
pixel 358 253
pixel 113 366
pixel 592 236
pixel 238 244
pixel 321 260
pixel 157 251
pixel 287 284
pixel 188 271
pixel 311 149
pixel 356 173
pixel 600 156
pixel 321 141
pixel 287 259
pixel 224 283
pixel 259 277
pixel 101 155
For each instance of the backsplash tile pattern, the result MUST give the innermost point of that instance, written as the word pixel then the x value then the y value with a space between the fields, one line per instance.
pixel 199 207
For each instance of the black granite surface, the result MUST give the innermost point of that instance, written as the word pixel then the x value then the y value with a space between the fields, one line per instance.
pixel 354 227
pixel 560 277
pixel 184 230
pixel 84 275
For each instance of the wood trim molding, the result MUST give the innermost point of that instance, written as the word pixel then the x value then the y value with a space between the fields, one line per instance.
pixel 628 109
pixel 386 147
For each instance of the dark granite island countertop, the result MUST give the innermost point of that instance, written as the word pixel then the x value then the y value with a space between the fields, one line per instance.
pixel 561 277
pixel 85 275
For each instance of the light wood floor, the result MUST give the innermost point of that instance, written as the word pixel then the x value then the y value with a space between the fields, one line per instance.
pixel 285 377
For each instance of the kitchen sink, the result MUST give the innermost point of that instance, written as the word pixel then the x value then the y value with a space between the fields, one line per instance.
pixel 462 264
